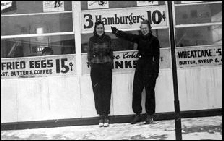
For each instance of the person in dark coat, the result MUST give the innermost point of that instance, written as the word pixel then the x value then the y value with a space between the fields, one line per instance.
pixel 100 58
pixel 147 69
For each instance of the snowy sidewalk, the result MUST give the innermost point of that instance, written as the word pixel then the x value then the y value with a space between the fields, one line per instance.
pixel 203 128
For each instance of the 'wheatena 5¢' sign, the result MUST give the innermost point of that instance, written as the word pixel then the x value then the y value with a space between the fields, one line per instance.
pixel 124 18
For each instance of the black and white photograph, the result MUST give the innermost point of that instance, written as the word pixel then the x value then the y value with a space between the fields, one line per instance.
pixel 111 70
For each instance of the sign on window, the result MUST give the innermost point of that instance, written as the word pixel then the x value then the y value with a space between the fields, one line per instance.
pixel 38 66
pixel 144 3
pixel 199 56
pixel 125 18
pixel 190 1
pixel 98 4
pixel 126 61
pixel 7 6
pixel 49 6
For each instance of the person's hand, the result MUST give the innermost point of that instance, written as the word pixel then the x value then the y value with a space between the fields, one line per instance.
pixel 114 29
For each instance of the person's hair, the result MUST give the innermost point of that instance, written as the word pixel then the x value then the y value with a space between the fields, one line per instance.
pixel 149 25
pixel 147 22
pixel 47 49
pixel 96 24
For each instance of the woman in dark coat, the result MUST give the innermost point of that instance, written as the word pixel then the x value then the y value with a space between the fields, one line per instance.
pixel 100 58
pixel 147 69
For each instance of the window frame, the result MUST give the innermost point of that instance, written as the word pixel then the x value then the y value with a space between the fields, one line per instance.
pixel 178 26
pixel 5 37
pixel 76 14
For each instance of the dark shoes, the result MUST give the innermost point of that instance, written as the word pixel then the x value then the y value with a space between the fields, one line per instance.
pixel 101 123
pixel 149 119
pixel 104 121
pixel 137 118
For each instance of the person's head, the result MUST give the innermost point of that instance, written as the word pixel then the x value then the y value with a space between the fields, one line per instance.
pixel 47 51
pixel 99 28
pixel 145 27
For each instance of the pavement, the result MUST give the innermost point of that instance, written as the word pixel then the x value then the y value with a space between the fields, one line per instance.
pixel 203 128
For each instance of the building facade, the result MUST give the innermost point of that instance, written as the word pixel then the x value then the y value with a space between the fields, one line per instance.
pixel 41 88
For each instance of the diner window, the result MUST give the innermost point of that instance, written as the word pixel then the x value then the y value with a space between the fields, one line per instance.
pixel 85 5
pixel 32 7
pixel 32 46
pixel 27 29
pixel 119 44
pixel 28 24
pixel 198 23
pixel 195 36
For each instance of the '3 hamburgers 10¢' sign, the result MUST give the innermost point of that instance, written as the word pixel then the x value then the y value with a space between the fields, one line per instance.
pixel 124 18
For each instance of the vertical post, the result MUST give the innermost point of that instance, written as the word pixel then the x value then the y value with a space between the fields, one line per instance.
pixel 174 73
pixel 76 14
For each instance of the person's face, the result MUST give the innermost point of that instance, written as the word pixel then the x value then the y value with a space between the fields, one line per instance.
pixel 99 29
pixel 144 29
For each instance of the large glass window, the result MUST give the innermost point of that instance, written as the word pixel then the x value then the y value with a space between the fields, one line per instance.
pixel 28 27
pixel 196 14
pixel 31 7
pixel 198 23
pixel 120 4
pixel 194 36
pixel 118 44
pixel 33 46
pixel 36 24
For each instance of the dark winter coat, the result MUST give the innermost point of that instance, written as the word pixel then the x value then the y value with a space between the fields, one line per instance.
pixel 148 46
pixel 100 50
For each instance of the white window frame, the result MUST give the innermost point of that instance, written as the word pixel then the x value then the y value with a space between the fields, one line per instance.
pixel 192 25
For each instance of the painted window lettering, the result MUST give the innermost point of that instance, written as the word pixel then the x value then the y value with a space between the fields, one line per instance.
pixel 199 57
pixel 219 51
pixel 61 66
pixel 130 19
pixel 124 64
pixel 13 65
pixel 156 16
pixel 4 73
pixel 98 2
pixel 89 21
pixel 195 53
pixel 41 64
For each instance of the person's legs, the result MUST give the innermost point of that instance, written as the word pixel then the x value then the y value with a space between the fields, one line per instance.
pixel 106 84
pixel 95 77
pixel 150 99
pixel 138 87
pixel 97 90
pixel 106 91
pixel 137 92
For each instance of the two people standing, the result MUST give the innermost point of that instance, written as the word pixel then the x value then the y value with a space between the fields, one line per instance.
pixel 100 58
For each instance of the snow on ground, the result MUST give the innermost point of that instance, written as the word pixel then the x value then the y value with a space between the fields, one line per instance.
pixel 209 128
